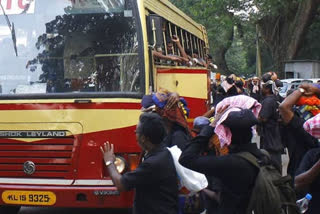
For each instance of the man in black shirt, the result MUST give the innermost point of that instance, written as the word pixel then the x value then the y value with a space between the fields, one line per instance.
pixel 297 140
pixel 155 180
pixel 237 175
pixel 269 116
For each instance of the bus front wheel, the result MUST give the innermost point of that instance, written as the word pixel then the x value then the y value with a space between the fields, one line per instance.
pixel 9 209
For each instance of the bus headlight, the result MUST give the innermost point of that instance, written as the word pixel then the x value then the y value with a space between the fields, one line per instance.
pixel 120 164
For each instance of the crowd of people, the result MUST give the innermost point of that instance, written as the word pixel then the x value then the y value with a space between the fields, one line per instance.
pixel 188 57
pixel 241 109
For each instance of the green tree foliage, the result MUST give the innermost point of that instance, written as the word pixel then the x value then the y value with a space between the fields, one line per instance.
pixel 231 25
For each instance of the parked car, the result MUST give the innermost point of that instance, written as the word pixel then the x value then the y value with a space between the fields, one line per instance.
pixel 315 80
pixel 289 84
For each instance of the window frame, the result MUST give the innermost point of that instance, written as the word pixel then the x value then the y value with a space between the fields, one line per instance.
pixel 112 94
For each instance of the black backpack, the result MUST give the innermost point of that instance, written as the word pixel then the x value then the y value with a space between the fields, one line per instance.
pixel 272 193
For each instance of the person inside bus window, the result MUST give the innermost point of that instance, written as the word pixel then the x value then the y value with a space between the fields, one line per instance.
pixel 210 64
pixel 189 55
pixel 183 59
pixel 155 179
pixel 197 61
pixel 175 39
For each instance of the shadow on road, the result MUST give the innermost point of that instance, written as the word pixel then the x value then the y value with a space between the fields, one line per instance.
pixel 34 210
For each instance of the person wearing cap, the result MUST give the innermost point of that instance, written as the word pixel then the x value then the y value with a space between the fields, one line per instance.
pixel 155 179
pixel 236 174
pixel 269 119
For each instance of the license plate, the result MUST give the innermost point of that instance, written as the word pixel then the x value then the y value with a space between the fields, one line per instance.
pixel 29 197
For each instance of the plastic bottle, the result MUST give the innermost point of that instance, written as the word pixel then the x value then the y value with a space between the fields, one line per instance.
pixel 303 203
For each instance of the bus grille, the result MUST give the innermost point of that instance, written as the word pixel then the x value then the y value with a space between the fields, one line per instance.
pixel 52 158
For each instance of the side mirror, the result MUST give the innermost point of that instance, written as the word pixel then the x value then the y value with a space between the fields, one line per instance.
pixel 155 35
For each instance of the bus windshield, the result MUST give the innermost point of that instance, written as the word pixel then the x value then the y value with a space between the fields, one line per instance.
pixel 66 46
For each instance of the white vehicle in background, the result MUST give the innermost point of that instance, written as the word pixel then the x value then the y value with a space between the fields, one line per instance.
pixel 315 80
pixel 292 84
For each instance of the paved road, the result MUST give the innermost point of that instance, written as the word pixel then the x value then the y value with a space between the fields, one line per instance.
pixel 32 210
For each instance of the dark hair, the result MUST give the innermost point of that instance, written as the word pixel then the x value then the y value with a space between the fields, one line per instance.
pixel 266 77
pixel 209 56
pixel 195 51
pixel 152 126
pixel 239 84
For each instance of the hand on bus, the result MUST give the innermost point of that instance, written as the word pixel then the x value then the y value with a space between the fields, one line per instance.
pixel 108 152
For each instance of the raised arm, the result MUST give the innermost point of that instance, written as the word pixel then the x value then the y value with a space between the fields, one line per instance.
pixel 184 55
pixel 109 159
pixel 304 180
pixel 169 58
pixel 285 108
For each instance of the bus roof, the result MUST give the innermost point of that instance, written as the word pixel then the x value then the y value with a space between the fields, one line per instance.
pixel 170 12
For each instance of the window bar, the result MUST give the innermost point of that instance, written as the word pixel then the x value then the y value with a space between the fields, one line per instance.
pixel 187 39
pixel 165 42
pixel 199 48
pixel 195 44
pixel 182 39
pixel 176 30
pixel 191 42
pixel 170 31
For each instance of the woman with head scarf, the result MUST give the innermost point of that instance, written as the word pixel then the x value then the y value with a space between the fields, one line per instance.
pixel 236 174
pixel 174 112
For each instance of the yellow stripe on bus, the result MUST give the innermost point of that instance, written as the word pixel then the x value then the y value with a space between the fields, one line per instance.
pixel 188 85
pixel 91 120
pixel 95 100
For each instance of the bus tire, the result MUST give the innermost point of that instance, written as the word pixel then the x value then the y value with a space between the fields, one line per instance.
pixel 9 209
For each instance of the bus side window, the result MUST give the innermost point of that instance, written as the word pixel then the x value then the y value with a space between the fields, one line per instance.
pixel 155 36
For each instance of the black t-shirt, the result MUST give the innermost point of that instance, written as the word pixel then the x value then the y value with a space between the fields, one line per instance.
pixel 236 174
pixel 270 131
pixel 177 137
pixel 156 184
pixel 298 142
pixel 307 162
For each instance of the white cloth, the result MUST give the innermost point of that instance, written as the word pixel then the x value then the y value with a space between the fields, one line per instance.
pixel 192 180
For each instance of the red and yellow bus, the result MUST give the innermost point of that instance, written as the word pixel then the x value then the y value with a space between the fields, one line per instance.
pixel 72 76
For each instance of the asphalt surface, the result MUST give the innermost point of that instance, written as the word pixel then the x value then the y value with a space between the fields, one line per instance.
pixel 35 210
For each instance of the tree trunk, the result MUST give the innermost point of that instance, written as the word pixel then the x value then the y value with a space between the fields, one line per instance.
pixel 285 33
pixel 220 60
pixel 222 49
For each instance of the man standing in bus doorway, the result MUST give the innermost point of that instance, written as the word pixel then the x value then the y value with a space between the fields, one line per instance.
pixel 155 179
